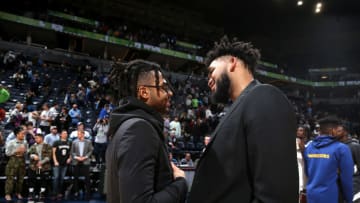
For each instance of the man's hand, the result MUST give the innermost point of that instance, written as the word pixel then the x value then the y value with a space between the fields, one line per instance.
pixel 35 157
pixel 177 172
pixel 20 150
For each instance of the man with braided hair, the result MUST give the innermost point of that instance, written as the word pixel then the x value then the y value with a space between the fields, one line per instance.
pixel 251 156
pixel 138 168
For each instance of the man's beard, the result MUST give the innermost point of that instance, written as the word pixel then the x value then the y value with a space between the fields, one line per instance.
pixel 222 92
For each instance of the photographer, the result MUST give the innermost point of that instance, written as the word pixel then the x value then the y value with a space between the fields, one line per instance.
pixel 101 129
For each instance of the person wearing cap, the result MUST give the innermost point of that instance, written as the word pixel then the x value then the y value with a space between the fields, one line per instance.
pixel 52 136
pixel 40 166
pixel 80 128
pixel 16 150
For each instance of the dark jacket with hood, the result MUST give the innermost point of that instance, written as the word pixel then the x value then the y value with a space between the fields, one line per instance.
pixel 328 162
pixel 355 151
pixel 138 167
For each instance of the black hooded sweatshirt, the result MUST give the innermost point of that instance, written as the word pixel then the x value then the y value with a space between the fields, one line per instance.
pixel 137 163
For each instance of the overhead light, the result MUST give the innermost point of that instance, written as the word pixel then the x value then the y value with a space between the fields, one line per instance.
pixel 319 5
pixel 300 3
pixel 324 77
pixel 317 10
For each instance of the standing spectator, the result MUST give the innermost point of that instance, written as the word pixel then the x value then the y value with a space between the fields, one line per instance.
pixel 300 147
pixel 39 168
pixel 105 111
pixel 16 114
pixel 63 120
pixel 80 97
pixel 81 151
pixel 45 119
pixel 101 128
pixel 80 128
pixel 176 126
pixel 328 161
pixel 75 115
pixel 61 157
pixel 16 150
pixel 53 111
pixel 52 136
pixel 30 133
pixel 34 118
pixel 187 160
pixel 258 126
pixel 344 137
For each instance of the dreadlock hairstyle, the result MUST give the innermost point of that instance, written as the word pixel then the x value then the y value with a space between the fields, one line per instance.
pixel 242 50
pixel 124 77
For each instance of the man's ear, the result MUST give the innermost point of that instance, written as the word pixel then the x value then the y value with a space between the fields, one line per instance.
pixel 143 93
pixel 233 63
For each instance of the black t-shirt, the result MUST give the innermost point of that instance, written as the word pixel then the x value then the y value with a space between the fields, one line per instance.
pixel 62 151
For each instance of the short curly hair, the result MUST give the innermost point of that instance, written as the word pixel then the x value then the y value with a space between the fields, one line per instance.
pixel 241 50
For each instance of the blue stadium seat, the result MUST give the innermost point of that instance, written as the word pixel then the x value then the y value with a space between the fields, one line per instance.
pixel 190 146
pixel 180 144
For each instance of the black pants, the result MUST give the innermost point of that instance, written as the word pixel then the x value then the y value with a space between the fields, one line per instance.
pixel 84 171
pixel 38 179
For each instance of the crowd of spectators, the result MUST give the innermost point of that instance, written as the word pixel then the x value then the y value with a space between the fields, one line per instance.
pixel 81 103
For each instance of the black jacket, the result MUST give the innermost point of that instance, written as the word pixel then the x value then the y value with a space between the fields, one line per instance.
pixel 252 154
pixel 138 167
pixel 355 151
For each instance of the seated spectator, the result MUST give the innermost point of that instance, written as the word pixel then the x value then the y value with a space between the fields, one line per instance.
pixel 172 159
pixel 187 160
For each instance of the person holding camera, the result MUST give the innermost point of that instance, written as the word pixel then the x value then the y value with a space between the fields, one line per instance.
pixel 101 129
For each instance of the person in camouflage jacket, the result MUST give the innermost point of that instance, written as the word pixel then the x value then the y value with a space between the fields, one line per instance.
pixel 40 166
pixel 16 151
